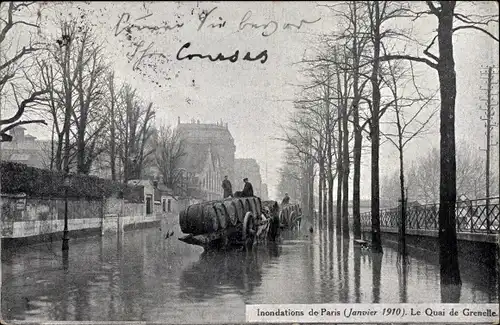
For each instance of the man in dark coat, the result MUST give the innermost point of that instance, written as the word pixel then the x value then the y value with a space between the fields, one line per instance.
pixel 247 189
pixel 228 188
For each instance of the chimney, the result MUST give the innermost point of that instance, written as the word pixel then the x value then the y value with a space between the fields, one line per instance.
pixel 178 120
pixel 17 133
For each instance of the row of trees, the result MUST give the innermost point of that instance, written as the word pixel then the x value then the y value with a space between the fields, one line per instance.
pixel 365 88
pixel 423 177
pixel 97 122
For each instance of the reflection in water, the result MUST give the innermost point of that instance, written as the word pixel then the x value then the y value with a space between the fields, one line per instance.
pixel 345 261
pixel 376 276
pixel 357 275
pixel 450 293
pixel 216 271
pixel 403 281
pixel 141 275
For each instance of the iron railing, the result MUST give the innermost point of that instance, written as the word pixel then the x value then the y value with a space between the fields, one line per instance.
pixel 472 216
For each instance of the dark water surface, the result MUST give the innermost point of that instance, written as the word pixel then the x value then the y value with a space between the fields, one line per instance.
pixel 143 276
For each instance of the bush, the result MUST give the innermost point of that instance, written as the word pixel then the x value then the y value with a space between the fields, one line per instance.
pixel 20 178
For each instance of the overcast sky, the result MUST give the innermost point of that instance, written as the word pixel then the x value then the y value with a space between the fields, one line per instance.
pixel 250 96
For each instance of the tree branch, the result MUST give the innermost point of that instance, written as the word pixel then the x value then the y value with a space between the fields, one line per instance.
pixel 476 28
pixel 10 127
pixel 409 58
pixel 22 107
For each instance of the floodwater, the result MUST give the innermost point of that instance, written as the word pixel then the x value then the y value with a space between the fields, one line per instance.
pixel 144 276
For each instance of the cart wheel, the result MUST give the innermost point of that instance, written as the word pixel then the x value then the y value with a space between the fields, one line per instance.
pixel 248 233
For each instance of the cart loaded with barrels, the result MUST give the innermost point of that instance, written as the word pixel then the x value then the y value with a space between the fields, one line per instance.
pixel 235 222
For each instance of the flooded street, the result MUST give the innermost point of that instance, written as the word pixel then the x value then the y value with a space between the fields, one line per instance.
pixel 145 276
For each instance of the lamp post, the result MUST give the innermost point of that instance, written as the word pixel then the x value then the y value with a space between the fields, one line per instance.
pixel 65 239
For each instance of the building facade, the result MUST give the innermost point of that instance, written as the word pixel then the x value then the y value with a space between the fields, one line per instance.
pixel 26 149
pixel 210 152
pixel 264 195
pixel 249 168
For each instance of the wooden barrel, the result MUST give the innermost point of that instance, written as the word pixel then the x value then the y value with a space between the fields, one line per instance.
pixel 258 204
pixel 210 222
pixel 191 221
pixel 183 219
pixel 222 214
pixel 253 207
pixel 240 209
pixel 293 215
pixel 231 212
pixel 247 207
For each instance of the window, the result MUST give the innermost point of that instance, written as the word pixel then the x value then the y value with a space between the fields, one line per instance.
pixel 169 205
pixel 163 201
pixel 149 204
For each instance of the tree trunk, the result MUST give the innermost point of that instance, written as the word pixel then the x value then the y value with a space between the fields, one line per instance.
pixel 345 170
pixel 330 176
pixel 356 197
pixel 80 154
pixel 448 250
pixel 375 134
pixel 356 211
pixel 340 172
pixel 52 147
pixel 311 186
pixel 340 175
pixel 402 236
pixel 112 145
pixel 325 198
pixel 330 199
pixel 320 183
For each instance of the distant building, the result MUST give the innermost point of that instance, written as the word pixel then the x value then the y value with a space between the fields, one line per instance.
pixel 26 149
pixel 247 167
pixel 209 157
pixel 264 192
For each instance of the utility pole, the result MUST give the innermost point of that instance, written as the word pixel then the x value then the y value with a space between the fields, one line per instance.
pixel 489 124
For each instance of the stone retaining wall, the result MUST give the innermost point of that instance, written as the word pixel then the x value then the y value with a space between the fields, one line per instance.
pixel 28 220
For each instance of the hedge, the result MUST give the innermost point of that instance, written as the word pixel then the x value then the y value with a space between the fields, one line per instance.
pixel 20 178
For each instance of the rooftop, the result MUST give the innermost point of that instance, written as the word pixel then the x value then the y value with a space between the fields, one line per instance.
pixel 195 129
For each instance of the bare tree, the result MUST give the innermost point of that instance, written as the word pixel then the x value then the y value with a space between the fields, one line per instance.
pixel 134 132
pixel 303 146
pixel 169 150
pixel 291 177
pixel 112 105
pixel 73 73
pixel 15 65
pixel 354 37
pixel 318 108
pixel 423 175
pixel 90 87
pixel 444 64
pixel 406 129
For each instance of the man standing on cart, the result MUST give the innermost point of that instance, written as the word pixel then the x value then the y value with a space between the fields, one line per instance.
pixel 228 188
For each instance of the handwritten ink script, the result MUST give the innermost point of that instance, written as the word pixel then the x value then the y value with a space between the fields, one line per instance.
pixel 220 57
pixel 205 21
